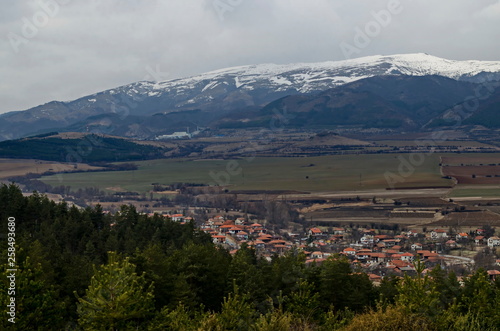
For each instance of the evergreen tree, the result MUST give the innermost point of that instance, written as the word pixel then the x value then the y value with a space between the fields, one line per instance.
pixel 479 300
pixel 304 303
pixel 418 295
pixel 388 289
pixel 117 298
pixel 245 273
pixel 343 288
pixel 36 301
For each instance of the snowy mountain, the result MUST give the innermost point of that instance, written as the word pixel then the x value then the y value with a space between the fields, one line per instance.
pixel 229 90
pixel 310 77
pixel 258 84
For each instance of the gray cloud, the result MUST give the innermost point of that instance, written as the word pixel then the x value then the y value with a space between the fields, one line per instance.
pixel 89 46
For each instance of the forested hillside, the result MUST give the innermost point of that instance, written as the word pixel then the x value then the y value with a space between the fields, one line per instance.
pixel 83 269
pixel 89 148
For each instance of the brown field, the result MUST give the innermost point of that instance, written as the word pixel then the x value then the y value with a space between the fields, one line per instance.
pixel 449 134
pixel 348 214
pixel 464 174
pixel 424 202
pixel 469 170
pixel 475 218
pixel 477 180
pixel 367 221
pixel 16 167
pixel 427 142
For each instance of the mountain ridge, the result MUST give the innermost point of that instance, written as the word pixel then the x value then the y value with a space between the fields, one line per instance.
pixel 230 90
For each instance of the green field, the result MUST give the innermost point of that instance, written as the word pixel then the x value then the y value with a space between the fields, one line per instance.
pixel 314 174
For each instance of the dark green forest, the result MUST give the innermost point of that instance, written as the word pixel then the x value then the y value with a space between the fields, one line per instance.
pixel 82 269
pixel 89 149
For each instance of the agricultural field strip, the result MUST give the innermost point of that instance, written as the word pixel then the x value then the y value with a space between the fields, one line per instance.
pixel 344 173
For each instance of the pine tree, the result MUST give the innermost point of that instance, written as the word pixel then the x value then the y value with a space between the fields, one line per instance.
pixel 418 295
pixel 36 301
pixel 343 288
pixel 117 298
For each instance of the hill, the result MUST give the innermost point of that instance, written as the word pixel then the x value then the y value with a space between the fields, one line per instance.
pixel 87 148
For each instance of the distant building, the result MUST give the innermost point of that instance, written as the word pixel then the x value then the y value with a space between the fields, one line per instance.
pixel 367 240
pixel 439 234
pixel 177 217
pixel 493 242
pixel 175 135
pixel 416 247
pixel 350 251
pixel 412 233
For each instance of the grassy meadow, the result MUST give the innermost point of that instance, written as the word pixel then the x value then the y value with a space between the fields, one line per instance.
pixel 313 174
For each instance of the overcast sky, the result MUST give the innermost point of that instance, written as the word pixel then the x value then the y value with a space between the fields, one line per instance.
pixel 65 49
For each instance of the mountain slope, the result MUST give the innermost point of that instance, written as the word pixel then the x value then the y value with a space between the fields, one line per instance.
pixel 239 88
pixel 381 102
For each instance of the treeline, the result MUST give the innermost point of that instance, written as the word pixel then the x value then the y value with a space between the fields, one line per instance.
pixel 83 269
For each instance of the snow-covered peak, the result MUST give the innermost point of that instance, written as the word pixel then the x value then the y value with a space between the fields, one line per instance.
pixel 411 64
pixel 305 77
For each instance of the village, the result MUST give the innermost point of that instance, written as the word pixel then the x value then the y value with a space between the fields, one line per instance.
pixel 376 252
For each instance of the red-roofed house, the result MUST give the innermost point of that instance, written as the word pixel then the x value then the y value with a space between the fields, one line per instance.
pixel 349 251
pixel 380 237
pixel 235 229
pixel 256 227
pixel 315 261
pixel 242 235
pixel 264 237
pixel 315 232
pixel 479 240
pixel 219 239
pixel 363 254
pixel 400 263
pixel 225 228
pixel 451 244
pixel 493 274
pixel 177 217
pixel 276 242
pixel 379 257
pixel 259 244
pixel 375 279
pixel 338 231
